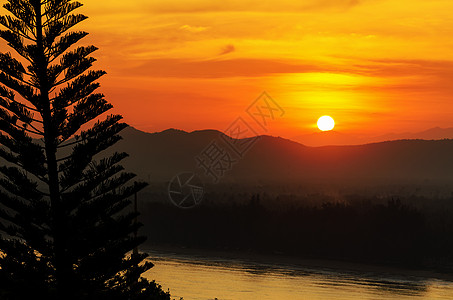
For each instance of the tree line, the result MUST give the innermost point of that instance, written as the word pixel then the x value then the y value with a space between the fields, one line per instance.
pixel 384 232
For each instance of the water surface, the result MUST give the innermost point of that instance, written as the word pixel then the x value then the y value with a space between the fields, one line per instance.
pixel 195 277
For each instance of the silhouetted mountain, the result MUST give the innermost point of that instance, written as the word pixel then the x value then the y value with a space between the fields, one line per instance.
pixel 157 157
pixel 387 202
pixel 435 133
pixel 323 138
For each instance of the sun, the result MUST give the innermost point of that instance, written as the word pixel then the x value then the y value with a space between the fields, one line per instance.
pixel 326 123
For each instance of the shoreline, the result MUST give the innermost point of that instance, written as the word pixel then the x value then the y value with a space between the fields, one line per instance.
pixel 243 258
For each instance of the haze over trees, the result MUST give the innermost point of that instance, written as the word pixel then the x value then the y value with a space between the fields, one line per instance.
pixel 278 165
pixel 66 227
pixel 390 231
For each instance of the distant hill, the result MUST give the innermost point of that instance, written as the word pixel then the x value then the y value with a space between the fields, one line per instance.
pixel 338 138
pixel 323 138
pixel 157 157
pixel 435 133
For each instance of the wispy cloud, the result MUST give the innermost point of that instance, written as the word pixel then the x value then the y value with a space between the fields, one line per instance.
pixel 370 56
pixel 191 6
pixel 244 67
pixel 193 29
pixel 227 49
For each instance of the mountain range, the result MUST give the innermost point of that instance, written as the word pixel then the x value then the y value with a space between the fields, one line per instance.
pixel 412 165
pixel 333 137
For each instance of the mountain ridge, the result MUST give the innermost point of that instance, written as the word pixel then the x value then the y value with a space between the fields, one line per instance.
pixel 435 133
pixel 158 157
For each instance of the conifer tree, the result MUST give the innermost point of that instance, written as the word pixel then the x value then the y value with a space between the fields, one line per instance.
pixel 64 208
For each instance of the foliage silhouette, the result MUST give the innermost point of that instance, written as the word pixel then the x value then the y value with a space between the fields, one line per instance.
pixel 381 231
pixel 64 211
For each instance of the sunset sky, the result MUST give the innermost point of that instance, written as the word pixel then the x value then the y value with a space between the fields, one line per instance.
pixel 376 66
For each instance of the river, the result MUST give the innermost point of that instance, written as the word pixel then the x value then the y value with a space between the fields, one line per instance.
pixel 229 277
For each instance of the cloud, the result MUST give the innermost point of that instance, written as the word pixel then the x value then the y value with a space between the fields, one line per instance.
pixel 244 67
pixel 227 49
pixel 193 29
pixel 436 72
pixel 191 6
pixel 440 69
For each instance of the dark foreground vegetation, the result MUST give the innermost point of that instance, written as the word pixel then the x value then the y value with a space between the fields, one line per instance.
pixel 385 231
pixel 65 231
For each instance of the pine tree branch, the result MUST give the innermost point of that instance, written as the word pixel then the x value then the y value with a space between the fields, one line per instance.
pixel 23 89
pixel 64 158
pixel 70 144
pixel 74 174
pixel 64 43
pixel 75 63
pixel 17 26
pixel 112 185
pixel 59 12
pixel 16 43
pixel 22 12
pixel 24 118
pixel 10 97
pixel 97 172
pixel 19 33
pixel 28 130
pixel 26 82
pixel 18 191
pixel 117 196
pixel 78 89
pixel 18 178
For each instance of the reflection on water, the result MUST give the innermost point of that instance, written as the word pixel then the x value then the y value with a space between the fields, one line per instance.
pixel 197 278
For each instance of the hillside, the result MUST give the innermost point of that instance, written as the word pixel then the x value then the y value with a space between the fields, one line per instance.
pixel 157 157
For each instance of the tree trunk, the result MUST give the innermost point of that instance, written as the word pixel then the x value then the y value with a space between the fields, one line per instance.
pixel 62 263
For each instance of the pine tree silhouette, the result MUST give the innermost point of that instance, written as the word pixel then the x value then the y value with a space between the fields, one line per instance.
pixel 64 213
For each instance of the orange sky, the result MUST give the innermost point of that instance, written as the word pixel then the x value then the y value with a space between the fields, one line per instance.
pixel 376 66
